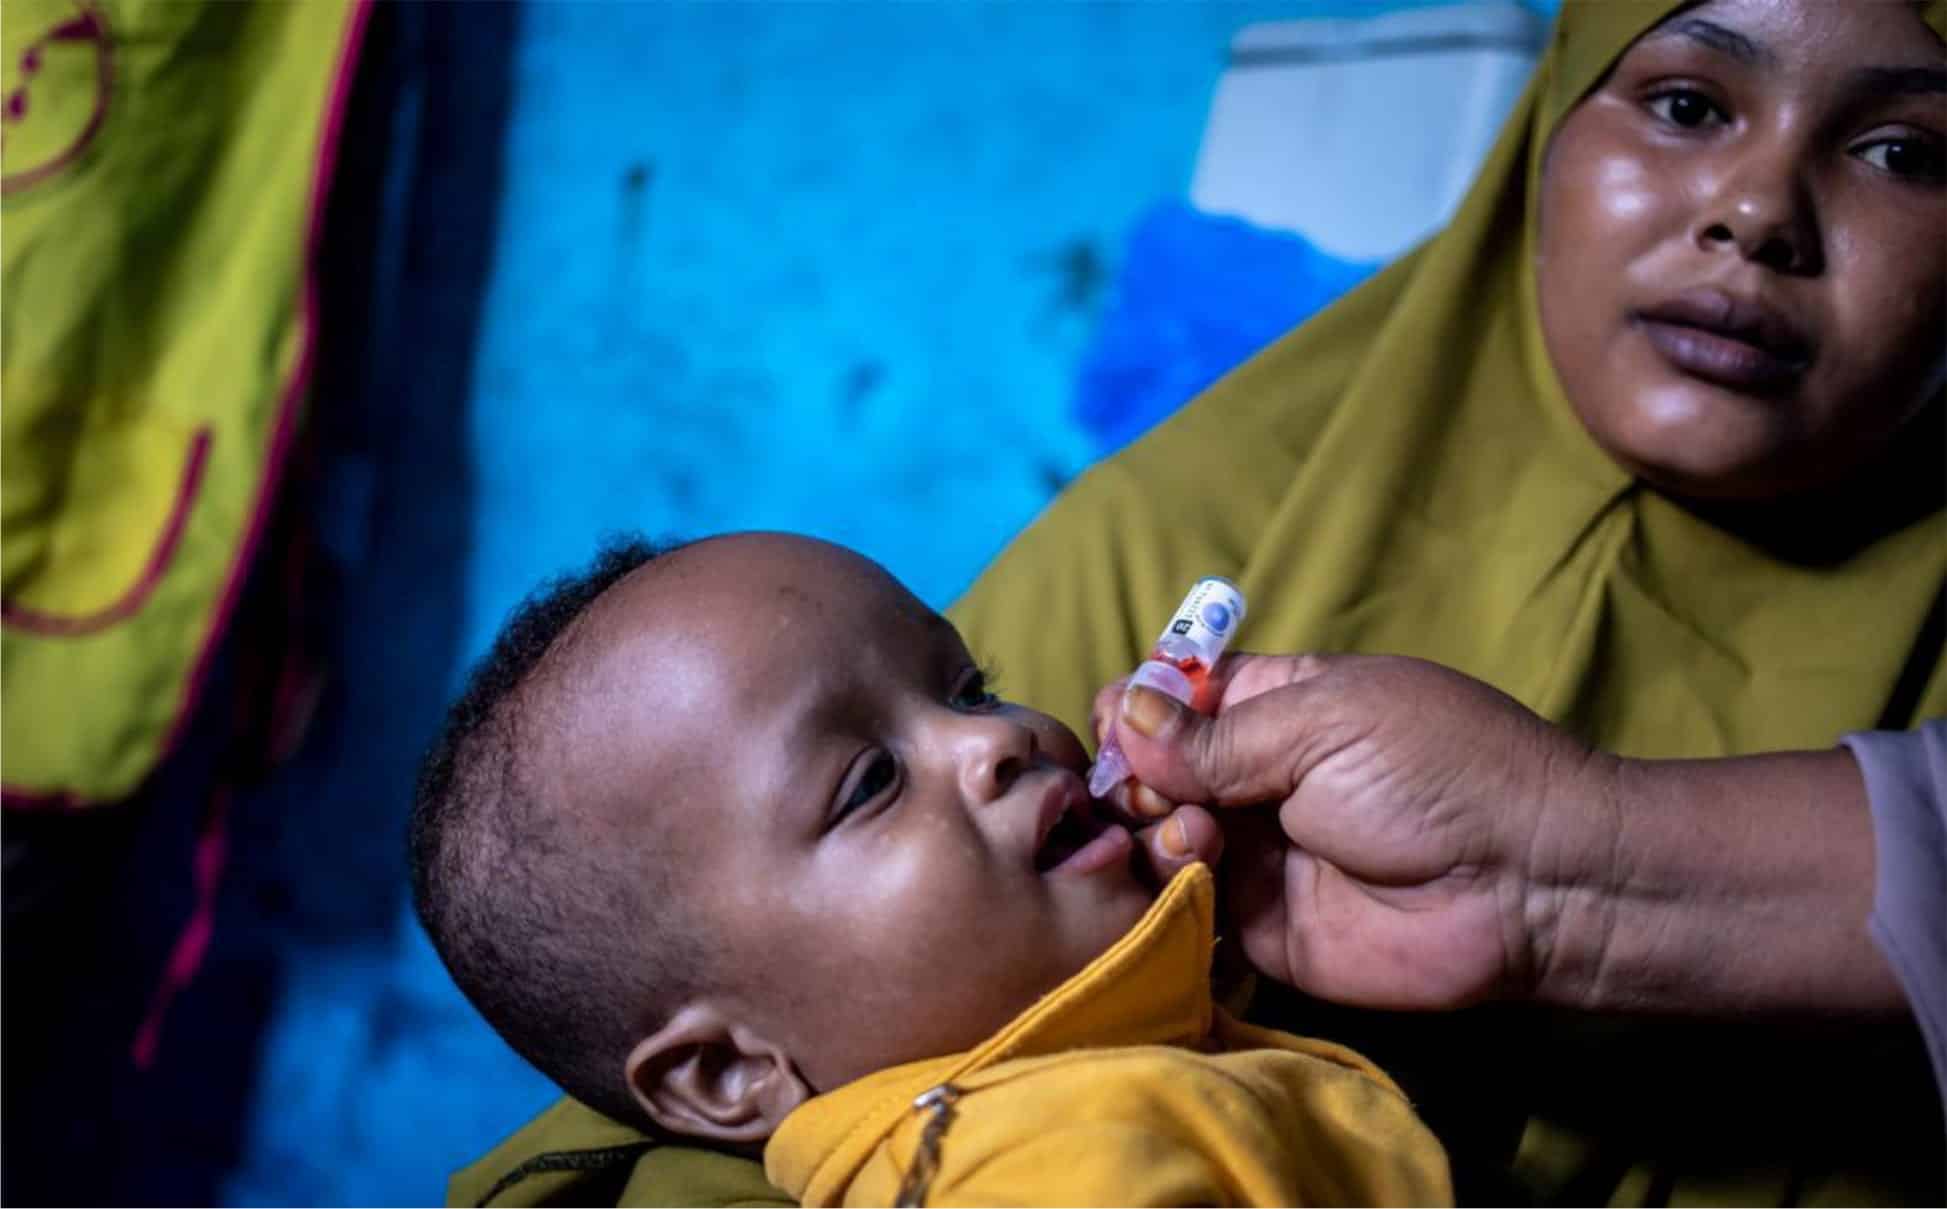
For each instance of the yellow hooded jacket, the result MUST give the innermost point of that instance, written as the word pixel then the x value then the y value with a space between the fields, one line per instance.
pixel 1124 1086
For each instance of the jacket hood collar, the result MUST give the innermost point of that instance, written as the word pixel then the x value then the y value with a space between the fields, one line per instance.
pixel 1152 987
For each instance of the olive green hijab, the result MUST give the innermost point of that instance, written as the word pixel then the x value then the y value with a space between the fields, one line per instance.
pixel 1404 474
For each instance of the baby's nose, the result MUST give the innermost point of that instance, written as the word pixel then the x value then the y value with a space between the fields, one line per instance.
pixel 995 752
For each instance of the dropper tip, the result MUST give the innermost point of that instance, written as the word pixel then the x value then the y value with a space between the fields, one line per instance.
pixel 1109 770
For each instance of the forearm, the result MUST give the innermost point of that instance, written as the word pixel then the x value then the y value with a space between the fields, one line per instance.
pixel 1711 887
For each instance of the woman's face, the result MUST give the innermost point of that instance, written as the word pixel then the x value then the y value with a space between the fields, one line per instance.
pixel 1742 262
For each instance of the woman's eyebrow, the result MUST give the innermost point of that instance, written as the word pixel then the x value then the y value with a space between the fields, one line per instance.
pixel 1719 38
pixel 1879 83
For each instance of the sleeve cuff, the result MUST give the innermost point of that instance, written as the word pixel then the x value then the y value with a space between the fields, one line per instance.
pixel 1906 785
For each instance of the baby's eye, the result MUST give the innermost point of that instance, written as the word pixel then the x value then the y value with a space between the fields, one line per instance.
pixel 880 771
pixel 1687 108
pixel 1913 159
pixel 972 692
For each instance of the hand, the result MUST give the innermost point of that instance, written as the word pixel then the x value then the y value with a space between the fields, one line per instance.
pixel 1169 837
pixel 1399 815
pixel 1178 839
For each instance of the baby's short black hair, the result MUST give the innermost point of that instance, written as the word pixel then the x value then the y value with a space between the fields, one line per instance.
pixel 567 946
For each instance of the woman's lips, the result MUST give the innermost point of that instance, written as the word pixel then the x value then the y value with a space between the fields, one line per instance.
pixel 1726 340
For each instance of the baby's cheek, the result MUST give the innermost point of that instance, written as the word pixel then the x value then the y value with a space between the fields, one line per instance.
pixel 909 871
pixel 912 900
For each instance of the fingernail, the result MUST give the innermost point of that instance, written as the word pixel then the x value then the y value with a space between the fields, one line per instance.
pixel 1147 802
pixel 1146 710
pixel 1176 837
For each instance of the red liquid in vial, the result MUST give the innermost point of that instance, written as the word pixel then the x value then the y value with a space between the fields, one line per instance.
pixel 1195 671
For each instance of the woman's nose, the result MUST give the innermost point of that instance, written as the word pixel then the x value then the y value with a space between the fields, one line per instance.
pixel 992 751
pixel 1762 211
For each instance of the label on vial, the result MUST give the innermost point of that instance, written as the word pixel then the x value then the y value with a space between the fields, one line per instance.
pixel 1207 617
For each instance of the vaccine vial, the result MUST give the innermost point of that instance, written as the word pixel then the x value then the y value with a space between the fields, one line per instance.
pixel 1179 664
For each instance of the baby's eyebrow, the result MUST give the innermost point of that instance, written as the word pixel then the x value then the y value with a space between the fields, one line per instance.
pixel 940 629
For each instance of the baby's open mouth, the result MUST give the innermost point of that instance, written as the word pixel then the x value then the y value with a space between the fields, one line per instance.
pixel 1073 832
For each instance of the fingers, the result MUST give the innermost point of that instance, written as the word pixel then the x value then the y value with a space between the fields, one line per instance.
pixel 1254 751
pixel 1138 803
pixel 1241 675
pixel 1237 676
pixel 1145 803
pixel 1188 835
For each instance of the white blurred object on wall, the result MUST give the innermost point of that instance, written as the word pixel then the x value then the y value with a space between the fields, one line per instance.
pixel 1362 134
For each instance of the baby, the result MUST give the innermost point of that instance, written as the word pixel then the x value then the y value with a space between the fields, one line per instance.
pixel 735 843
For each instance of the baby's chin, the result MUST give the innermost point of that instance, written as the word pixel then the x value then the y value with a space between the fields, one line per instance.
pixel 961 1021
pixel 1107 904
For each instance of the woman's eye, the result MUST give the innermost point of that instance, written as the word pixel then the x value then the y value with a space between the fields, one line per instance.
pixel 1686 107
pixel 1908 158
pixel 881 770
pixel 973 692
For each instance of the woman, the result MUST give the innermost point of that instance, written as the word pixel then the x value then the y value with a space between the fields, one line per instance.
pixel 1648 439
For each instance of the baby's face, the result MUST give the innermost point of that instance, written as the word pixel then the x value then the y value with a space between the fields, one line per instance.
pixel 894 856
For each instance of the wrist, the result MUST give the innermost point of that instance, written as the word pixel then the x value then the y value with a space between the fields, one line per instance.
pixel 1722 885
pixel 1570 877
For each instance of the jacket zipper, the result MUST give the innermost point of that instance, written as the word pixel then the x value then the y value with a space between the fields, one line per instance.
pixel 937 1101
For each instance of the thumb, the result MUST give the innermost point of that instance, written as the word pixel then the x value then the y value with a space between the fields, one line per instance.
pixel 1253 752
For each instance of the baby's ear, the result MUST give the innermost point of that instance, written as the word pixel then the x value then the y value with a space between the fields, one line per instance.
pixel 705 1075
